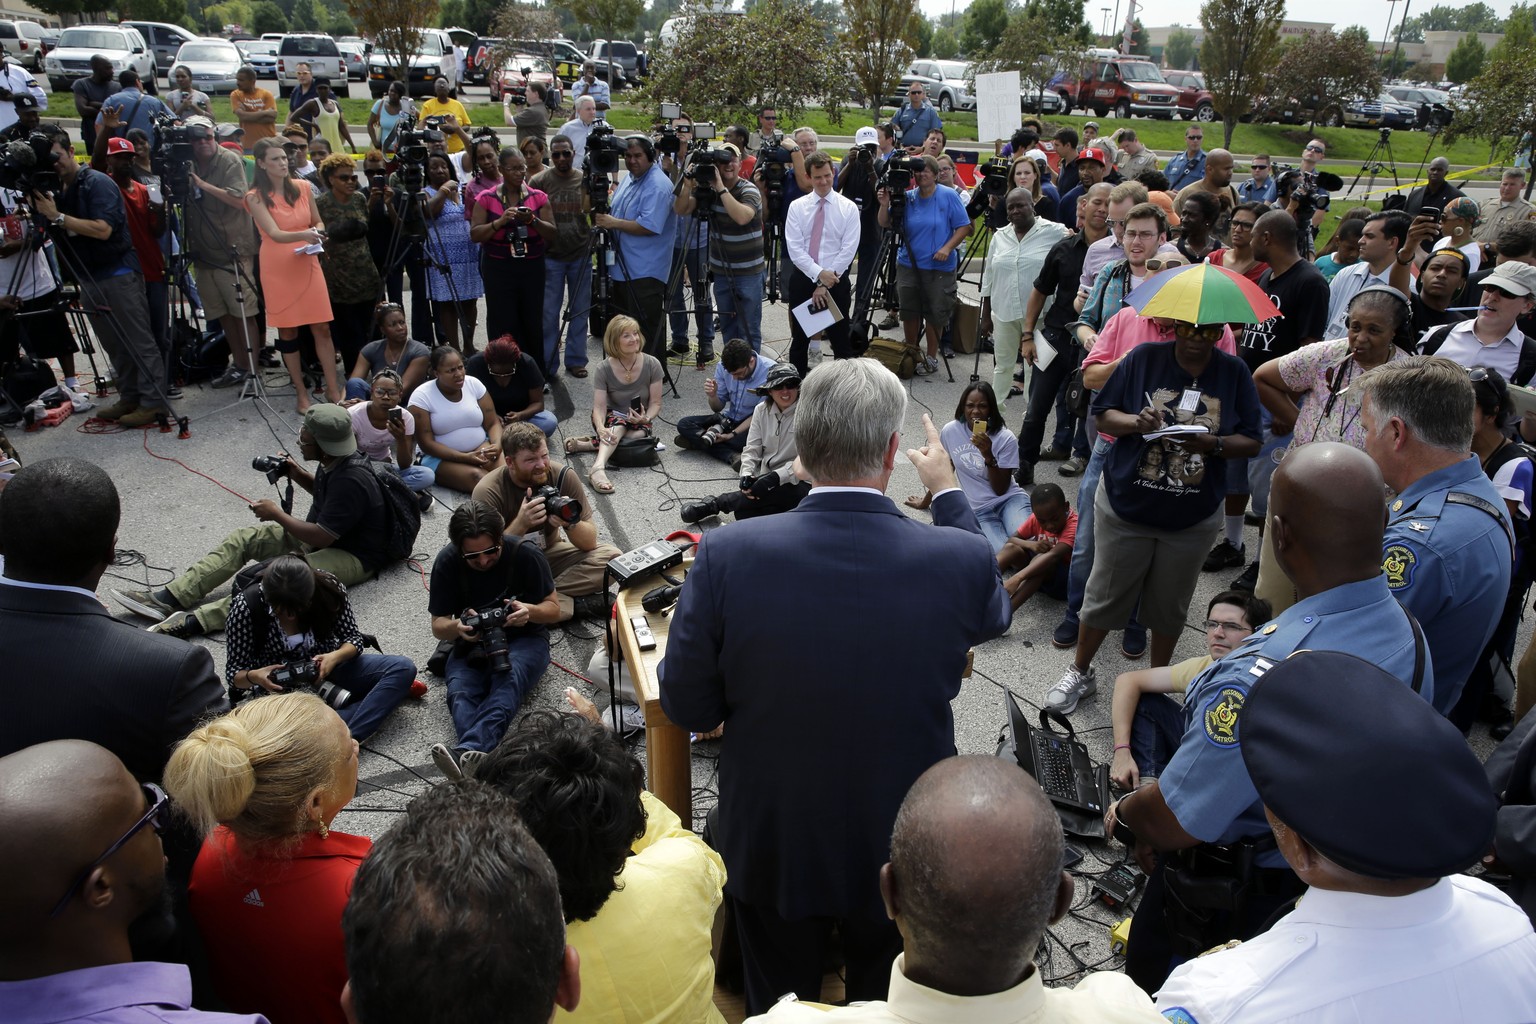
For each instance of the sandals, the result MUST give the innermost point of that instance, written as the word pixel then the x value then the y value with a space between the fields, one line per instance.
pixel 581 445
pixel 601 486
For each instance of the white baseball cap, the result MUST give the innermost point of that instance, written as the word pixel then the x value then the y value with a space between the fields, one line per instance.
pixel 866 137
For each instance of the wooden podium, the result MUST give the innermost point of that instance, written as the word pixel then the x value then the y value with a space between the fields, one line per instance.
pixel 668 754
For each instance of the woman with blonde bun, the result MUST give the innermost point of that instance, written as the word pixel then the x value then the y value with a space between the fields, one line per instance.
pixel 264 783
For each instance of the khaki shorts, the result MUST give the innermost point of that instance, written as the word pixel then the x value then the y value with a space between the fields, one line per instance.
pixel 1159 567
pixel 927 295
pixel 216 287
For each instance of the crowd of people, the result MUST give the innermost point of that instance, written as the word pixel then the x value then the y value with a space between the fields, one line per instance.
pixel 1374 434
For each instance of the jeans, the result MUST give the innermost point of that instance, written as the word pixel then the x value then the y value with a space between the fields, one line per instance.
pixel 1156 732
pixel 545 420
pixel 483 703
pixel 1262 466
pixel 417 478
pixel 572 278
pixel 1046 388
pixel 740 301
pixel 692 428
pixel 358 388
pixel 704 317
pixel 1003 520
pixel 157 297
pixel 1082 547
pixel 379 682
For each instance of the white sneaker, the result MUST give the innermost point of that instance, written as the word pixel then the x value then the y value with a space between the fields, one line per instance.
pixel 1071 688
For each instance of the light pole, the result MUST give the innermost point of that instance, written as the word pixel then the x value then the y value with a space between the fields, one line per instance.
pixel 1387 34
pixel 1398 46
pixel 1105 33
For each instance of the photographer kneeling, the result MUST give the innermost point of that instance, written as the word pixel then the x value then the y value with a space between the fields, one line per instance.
pixel 768 481
pixel 345 533
pixel 492 595
pixel 295 628
pixel 545 503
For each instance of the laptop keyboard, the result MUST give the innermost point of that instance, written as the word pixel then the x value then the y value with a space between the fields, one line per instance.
pixel 1053 768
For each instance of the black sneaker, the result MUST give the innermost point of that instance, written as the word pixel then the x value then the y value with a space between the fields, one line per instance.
pixel 679 441
pixel 1065 635
pixel 1133 643
pixel 424 500
pixel 591 606
pixel 1248 580
pixel 1054 454
pixel 1225 556
pixel 1025 474
pixel 678 348
pixel 181 625
pixel 173 393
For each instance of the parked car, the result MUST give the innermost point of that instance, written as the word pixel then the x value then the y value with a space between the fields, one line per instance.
pixel 432 60
pixel 1195 101
pixel 1430 105
pixel 568 59
pixel 1396 115
pixel 907 81
pixel 316 50
pixel 954 78
pixel 356 60
pixel 260 54
pixel 510 79
pixel 123 46
pixel 1124 84
pixel 212 63
pixel 482 58
pixel 621 53
pixel 23 43
pixel 164 39
pixel 1361 114
pixel 1040 101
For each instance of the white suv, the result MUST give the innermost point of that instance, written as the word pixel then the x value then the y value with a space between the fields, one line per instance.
pixel 23 43
pixel 123 46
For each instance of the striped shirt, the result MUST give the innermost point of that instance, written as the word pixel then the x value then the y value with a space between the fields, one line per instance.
pixel 736 249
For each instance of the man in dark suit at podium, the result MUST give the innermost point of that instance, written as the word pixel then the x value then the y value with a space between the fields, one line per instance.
pixel 822 744
pixel 75 671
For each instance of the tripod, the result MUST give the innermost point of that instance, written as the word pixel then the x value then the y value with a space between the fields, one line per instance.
pixel 702 307
pixel 980 241
pixel 1374 167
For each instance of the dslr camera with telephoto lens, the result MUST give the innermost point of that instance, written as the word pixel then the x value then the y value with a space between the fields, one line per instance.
pixel 490 622
pixel 306 672
pixel 558 506
pixel 274 466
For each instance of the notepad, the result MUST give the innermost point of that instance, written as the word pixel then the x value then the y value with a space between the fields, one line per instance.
pixel 1045 352
pixel 814 321
pixel 1176 430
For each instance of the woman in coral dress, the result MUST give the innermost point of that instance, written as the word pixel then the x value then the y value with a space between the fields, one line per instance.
pixel 292 284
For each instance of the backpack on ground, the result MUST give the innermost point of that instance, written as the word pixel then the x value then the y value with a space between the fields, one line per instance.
pixel 897 356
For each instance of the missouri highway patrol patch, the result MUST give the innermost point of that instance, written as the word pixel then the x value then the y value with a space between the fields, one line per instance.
pixel 1220 715
pixel 1398 563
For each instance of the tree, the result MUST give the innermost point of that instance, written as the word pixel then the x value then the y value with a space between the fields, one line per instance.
pixel 725 67
pixel 338 23
pixel 1239 51
pixel 1505 112
pixel 611 18
pixel 518 20
pixel 60 8
pixel 922 46
pixel 1059 20
pixel 1421 71
pixel 1323 70
pixel 985 21
pixel 880 40
pixel 944 44
pixel 266 16
pixel 171 11
pixel 1478 17
pixel 1037 48
pixel 451 14
pixel 1180 48
pixel 1519 33
pixel 307 16
pixel 1466 61
pixel 395 26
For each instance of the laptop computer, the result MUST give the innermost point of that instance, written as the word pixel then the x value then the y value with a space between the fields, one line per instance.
pixel 1077 787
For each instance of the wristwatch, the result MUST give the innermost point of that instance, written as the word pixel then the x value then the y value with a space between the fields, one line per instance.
pixel 58 221
pixel 1219 446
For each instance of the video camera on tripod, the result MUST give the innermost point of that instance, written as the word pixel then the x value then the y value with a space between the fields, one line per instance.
pixel 704 169
pixel 172 158
pixel 25 167
pixel 896 179
pixel 604 153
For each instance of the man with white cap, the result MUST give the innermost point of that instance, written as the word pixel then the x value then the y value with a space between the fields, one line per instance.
pixel 1389 929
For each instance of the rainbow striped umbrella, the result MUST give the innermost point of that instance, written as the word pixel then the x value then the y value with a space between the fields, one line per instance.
pixel 1202 293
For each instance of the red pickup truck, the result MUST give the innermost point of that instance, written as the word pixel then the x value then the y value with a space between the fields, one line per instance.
pixel 1122 84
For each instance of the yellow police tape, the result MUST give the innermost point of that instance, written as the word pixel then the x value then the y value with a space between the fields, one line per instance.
pixel 1415 184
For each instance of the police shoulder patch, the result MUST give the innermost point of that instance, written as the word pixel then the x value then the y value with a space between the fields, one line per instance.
pixel 1219 716
pixel 1179 1015
pixel 1398 562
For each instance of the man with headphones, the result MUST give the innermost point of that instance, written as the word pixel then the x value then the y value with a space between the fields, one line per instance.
pixel 643 224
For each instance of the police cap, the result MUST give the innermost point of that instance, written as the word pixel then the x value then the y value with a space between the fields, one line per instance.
pixel 1364 769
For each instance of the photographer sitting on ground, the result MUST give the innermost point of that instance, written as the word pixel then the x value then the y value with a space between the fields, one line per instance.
pixel 541 500
pixel 344 533
pixel 295 621
pixel 492 595
pixel 731 393
pixel 632 876
pixel 264 783
pixel 768 481
pixel 1148 725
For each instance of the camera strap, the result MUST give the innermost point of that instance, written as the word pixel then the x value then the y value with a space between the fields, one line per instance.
pixel 123 128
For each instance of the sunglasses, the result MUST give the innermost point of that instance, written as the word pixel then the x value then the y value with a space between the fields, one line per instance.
pixel 470 556
pixel 1261 167
pixel 1314 149
pixel 345 177
pixel 1198 332
pixel 1155 264
pixel 1477 374
pixel 157 816
pixel 1193 138
pixel 792 386
pixel 1500 291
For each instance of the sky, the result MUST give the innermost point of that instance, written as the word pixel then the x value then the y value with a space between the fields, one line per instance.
pixel 1370 13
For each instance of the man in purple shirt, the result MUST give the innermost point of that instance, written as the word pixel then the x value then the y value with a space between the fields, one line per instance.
pixel 84 885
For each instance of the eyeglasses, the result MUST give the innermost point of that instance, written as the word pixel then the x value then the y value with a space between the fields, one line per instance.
pixel 1168 263
pixel 1193 138
pixel 1117 223
pixel 470 556
pixel 1314 149
pixel 501 373
pixel 157 816
pixel 345 177
pixel 791 386
pixel 1246 225
pixel 1140 235
pixel 1261 167
pixel 768 117
pixel 1218 626
pixel 290 147
pixel 1477 374
pixel 1500 291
